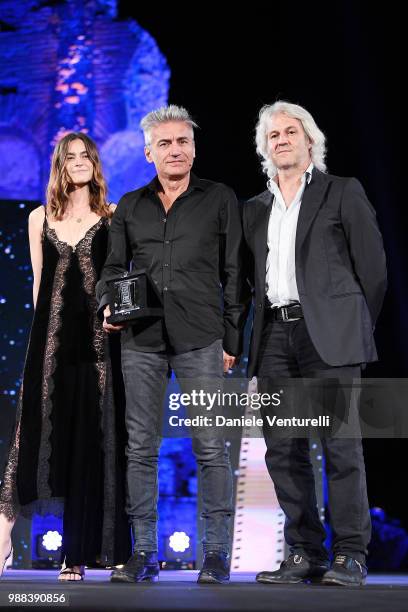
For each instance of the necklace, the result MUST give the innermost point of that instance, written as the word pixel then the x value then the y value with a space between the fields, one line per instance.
pixel 73 234
pixel 81 218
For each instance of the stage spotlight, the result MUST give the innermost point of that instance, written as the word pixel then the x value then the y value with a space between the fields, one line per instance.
pixel 179 551
pixel 179 542
pixel 52 540
pixel 48 550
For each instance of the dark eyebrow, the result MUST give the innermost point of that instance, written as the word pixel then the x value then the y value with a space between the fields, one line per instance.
pixel 80 153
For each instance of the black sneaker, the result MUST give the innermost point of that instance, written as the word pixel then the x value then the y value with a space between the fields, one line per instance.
pixel 296 568
pixel 215 568
pixel 345 571
pixel 141 567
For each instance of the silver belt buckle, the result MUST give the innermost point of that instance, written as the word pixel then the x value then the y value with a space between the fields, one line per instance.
pixel 284 311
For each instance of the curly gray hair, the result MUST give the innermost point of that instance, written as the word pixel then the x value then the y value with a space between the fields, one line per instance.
pixel 316 136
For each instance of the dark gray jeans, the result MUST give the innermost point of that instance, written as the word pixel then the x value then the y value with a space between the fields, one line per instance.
pixel 287 351
pixel 145 376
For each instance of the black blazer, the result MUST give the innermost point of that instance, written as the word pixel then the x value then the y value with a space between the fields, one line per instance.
pixel 340 268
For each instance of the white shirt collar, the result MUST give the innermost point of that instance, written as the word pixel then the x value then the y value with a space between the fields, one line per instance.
pixel 306 177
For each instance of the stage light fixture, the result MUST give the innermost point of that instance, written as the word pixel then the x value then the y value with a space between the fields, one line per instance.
pixel 48 550
pixel 179 541
pixel 179 551
pixel 52 540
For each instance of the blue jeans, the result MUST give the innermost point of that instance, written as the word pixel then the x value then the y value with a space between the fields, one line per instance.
pixel 145 376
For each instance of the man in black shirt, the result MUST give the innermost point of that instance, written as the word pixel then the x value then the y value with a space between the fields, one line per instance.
pixel 187 233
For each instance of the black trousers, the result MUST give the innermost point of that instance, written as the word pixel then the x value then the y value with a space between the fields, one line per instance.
pixel 287 351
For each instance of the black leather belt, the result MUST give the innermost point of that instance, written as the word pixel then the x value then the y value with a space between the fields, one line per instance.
pixel 292 312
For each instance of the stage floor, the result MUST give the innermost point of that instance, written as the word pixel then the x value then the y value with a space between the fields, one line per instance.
pixel 178 591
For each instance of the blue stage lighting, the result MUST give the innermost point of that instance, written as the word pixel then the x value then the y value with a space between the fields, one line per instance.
pixel 179 551
pixel 48 549
pixel 179 541
pixel 52 540
pixel 179 545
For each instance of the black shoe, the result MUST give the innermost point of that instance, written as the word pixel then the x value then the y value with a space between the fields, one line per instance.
pixel 345 571
pixel 294 569
pixel 215 568
pixel 142 566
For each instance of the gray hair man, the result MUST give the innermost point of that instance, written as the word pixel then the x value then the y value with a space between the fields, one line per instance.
pixel 187 232
pixel 319 275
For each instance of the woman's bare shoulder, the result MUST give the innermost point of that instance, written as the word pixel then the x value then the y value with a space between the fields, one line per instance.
pixel 36 216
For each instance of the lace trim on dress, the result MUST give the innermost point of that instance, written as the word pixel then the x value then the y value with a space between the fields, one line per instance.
pixel 54 325
pixel 9 502
pixel 9 505
pixel 106 396
pixel 89 278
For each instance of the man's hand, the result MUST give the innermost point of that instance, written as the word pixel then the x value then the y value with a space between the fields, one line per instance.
pixel 107 326
pixel 229 361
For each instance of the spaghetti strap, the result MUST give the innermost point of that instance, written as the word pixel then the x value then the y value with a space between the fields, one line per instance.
pixel 45 222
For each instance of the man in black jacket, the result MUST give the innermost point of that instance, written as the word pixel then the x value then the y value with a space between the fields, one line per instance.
pixel 187 232
pixel 319 276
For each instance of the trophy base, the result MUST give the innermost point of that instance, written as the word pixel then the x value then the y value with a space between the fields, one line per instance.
pixel 134 315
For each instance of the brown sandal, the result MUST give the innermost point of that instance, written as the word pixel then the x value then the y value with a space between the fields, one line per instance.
pixel 68 570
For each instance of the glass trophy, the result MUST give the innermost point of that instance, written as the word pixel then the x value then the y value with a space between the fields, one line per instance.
pixel 133 295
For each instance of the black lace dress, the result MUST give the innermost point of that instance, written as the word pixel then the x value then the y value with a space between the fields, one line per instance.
pixel 67 455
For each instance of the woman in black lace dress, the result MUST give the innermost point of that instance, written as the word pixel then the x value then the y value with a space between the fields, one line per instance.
pixel 67 452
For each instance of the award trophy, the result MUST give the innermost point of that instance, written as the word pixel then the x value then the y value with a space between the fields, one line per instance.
pixel 133 295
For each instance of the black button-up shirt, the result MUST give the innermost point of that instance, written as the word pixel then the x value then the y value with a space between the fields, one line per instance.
pixel 194 255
